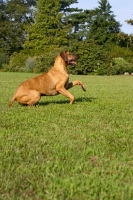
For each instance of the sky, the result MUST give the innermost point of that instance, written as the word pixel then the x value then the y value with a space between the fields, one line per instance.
pixel 122 9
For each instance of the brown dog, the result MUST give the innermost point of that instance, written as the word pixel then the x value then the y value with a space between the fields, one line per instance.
pixel 53 82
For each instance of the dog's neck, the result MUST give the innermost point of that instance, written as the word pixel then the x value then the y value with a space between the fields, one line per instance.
pixel 60 64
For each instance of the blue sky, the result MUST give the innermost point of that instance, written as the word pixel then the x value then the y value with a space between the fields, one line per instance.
pixel 122 9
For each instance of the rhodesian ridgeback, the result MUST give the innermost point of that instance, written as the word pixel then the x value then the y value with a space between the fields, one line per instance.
pixel 53 82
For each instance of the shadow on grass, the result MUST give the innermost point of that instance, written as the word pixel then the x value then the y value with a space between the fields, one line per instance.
pixel 81 99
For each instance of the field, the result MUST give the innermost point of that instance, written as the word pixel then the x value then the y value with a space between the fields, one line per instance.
pixel 57 151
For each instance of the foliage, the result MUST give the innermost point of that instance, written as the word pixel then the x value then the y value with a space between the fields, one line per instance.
pixel 4 59
pixel 125 53
pixel 120 66
pixel 94 59
pixel 59 151
pixel 122 60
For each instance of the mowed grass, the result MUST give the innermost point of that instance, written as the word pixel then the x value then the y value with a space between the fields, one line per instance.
pixel 57 151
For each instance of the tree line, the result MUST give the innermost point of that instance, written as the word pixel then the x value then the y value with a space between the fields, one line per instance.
pixel 33 32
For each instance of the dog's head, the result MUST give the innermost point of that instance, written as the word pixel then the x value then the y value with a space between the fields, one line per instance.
pixel 69 58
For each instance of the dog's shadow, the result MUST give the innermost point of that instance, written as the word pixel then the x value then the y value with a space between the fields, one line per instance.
pixel 81 99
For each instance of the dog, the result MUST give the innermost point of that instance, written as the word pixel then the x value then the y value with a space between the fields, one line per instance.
pixel 53 82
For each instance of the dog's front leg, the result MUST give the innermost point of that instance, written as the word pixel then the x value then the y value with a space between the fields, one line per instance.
pixel 77 82
pixel 64 92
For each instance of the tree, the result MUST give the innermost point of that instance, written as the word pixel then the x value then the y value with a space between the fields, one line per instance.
pixel 103 27
pixel 94 58
pixel 14 15
pixel 76 19
pixel 47 32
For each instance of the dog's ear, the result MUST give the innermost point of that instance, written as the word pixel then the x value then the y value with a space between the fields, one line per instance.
pixel 63 55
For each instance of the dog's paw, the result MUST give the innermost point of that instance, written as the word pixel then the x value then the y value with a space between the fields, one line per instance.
pixel 83 88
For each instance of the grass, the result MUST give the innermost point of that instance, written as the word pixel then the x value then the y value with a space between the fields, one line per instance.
pixel 57 151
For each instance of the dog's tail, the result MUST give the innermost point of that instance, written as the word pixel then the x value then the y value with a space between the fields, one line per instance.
pixel 13 99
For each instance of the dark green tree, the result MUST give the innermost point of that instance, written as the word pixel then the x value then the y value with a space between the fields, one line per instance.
pixel 103 27
pixel 14 15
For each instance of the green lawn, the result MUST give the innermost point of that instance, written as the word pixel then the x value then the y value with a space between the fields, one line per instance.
pixel 57 151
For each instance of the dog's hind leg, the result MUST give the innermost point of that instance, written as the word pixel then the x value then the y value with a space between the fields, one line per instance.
pixel 29 97
pixel 34 97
